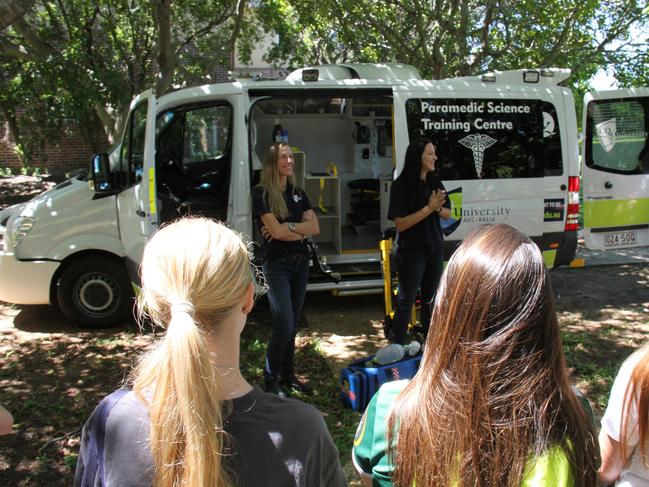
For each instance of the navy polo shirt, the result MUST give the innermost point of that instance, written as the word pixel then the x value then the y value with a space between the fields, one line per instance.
pixel 297 203
pixel 406 199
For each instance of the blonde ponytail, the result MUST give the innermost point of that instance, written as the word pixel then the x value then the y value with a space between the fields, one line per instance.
pixel 194 272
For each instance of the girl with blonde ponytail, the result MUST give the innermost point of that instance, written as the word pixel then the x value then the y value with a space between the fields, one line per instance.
pixel 191 418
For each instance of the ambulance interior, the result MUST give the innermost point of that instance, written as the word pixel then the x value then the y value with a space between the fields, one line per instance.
pixel 343 154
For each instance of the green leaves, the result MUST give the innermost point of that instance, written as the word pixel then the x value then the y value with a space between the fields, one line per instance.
pixel 445 39
pixel 85 60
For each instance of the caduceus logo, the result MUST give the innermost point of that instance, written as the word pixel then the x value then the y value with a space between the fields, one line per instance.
pixel 478 143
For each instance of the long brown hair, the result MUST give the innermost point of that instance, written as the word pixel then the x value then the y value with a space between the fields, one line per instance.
pixel 270 181
pixel 492 389
pixel 636 398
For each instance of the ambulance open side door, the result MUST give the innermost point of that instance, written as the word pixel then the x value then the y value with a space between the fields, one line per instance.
pixel 615 168
pixel 136 202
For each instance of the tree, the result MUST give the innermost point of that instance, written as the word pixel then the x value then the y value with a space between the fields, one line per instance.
pixel 12 10
pixel 85 60
pixel 446 38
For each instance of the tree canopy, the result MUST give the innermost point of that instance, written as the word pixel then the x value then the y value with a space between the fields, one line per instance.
pixel 84 60
pixel 445 38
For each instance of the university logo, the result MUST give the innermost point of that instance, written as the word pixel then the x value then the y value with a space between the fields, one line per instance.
pixel 455 197
pixel 607 131
pixel 478 143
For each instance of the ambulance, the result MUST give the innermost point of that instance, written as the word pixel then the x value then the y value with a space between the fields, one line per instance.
pixel 508 153
pixel 615 159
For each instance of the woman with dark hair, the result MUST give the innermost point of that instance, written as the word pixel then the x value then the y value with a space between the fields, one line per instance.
pixel 284 214
pixel 417 202
pixel 492 403
pixel 624 438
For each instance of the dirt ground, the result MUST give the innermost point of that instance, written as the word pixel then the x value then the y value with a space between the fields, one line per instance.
pixel 52 373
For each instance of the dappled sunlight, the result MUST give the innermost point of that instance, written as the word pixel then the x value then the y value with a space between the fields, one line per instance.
pixel 348 328
pixel 343 349
pixel 53 373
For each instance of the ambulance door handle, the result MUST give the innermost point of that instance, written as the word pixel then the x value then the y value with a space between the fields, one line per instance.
pixel 563 187
pixel 140 213
pixel 608 185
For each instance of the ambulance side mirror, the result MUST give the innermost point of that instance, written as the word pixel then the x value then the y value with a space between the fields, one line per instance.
pixel 100 179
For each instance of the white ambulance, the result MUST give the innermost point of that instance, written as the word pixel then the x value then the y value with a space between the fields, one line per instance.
pixel 615 172
pixel 506 141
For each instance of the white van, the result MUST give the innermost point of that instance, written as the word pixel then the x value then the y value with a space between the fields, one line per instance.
pixel 615 172
pixel 507 147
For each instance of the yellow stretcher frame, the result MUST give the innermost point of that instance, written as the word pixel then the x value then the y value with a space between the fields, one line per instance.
pixel 390 288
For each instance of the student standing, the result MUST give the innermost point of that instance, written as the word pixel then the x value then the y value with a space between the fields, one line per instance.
pixel 286 218
pixel 492 403
pixel 191 418
pixel 417 202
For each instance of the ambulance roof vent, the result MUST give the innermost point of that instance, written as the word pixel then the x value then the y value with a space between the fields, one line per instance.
pixel 369 71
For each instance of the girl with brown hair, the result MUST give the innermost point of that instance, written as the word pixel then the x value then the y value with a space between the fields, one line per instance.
pixel 492 403
pixel 192 419
pixel 624 438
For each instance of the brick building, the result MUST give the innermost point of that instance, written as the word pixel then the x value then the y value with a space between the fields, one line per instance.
pixel 72 151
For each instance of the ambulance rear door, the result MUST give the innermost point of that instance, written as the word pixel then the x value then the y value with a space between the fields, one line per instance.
pixel 490 148
pixel 615 168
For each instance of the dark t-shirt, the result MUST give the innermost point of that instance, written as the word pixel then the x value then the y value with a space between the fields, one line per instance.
pixel 275 442
pixel 297 203
pixel 406 199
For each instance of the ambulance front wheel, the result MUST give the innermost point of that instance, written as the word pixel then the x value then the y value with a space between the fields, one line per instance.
pixel 95 292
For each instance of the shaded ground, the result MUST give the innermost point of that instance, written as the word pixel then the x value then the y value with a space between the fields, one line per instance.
pixel 16 189
pixel 52 373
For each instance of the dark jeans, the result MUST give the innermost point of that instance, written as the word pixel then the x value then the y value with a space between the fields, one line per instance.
pixel 417 267
pixel 286 278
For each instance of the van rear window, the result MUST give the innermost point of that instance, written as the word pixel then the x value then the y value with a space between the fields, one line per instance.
pixel 489 138
pixel 617 135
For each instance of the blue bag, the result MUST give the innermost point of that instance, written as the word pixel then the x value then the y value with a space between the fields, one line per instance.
pixel 360 381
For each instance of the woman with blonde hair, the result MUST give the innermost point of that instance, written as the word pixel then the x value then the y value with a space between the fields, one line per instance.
pixel 491 404
pixel 624 437
pixel 285 217
pixel 191 418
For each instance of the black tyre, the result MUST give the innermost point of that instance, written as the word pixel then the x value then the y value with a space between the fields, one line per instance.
pixel 95 292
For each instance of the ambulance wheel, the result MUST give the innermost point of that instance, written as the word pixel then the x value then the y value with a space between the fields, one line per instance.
pixel 95 292
pixel 387 327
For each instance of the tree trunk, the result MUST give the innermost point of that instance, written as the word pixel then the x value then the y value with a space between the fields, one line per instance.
pixel 166 57
pixel 12 10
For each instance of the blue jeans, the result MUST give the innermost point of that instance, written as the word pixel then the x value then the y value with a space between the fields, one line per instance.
pixel 417 267
pixel 286 278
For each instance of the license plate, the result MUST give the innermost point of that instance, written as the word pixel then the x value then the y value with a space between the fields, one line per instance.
pixel 620 239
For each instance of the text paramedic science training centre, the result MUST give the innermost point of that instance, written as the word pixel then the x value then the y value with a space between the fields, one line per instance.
pixel 472 107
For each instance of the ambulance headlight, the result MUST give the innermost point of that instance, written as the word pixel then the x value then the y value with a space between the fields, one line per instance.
pixel 20 228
